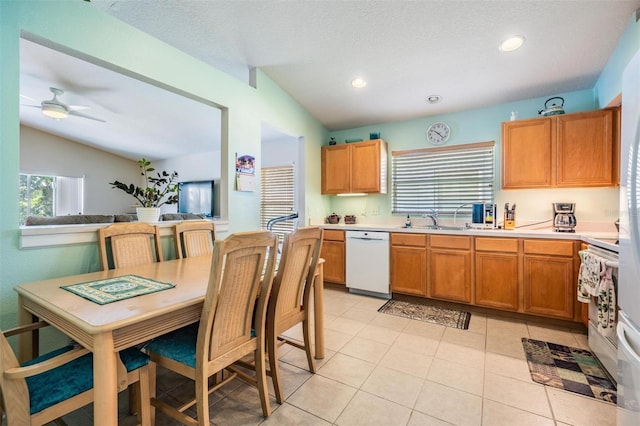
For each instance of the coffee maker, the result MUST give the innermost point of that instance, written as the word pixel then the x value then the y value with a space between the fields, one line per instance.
pixel 564 218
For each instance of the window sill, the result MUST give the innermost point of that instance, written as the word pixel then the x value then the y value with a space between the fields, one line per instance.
pixel 61 235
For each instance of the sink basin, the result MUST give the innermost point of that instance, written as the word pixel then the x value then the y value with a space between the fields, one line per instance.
pixel 439 227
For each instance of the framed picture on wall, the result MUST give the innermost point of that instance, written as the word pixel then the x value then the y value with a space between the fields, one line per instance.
pixel 245 173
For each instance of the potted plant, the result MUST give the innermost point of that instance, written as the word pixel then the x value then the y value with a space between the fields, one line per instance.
pixel 158 190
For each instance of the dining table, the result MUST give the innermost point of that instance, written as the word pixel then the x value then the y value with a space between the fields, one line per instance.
pixel 106 329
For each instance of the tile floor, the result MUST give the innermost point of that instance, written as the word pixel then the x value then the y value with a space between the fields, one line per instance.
pixel 381 369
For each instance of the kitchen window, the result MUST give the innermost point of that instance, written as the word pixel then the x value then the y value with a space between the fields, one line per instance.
pixel 42 195
pixel 442 179
pixel 277 197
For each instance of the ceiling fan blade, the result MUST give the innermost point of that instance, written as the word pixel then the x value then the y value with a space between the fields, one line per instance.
pixel 77 107
pixel 79 114
pixel 32 106
pixel 27 97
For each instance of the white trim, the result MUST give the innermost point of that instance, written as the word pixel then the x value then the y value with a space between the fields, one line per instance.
pixel 62 235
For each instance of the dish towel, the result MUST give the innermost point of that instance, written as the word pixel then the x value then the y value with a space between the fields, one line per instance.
pixel 606 302
pixel 589 276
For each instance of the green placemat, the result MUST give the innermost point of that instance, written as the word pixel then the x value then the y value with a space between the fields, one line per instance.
pixel 117 288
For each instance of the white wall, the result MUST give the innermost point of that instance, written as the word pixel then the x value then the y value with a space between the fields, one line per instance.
pixel 44 153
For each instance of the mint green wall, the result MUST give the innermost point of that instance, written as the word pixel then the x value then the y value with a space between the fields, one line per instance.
pixel 79 28
pixel 609 84
pixel 477 125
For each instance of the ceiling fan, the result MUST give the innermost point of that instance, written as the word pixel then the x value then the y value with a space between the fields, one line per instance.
pixel 54 108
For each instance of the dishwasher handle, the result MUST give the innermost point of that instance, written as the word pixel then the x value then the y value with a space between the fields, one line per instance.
pixel 366 239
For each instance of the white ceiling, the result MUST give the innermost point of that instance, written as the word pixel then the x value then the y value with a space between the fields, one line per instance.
pixel 406 50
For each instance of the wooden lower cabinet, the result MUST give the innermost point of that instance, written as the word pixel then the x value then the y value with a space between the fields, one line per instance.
pixel 450 268
pixel 409 264
pixel 496 273
pixel 334 254
pixel 549 280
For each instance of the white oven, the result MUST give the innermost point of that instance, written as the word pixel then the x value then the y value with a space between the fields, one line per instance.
pixel 603 316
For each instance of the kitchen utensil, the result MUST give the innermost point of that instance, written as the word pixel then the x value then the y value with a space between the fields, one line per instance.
pixel 349 219
pixel 333 218
pixel 553 108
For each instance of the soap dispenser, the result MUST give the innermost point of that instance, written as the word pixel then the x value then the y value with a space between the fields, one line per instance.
pixel 407 223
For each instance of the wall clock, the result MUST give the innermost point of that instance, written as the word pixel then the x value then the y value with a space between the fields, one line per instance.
pixel 438 133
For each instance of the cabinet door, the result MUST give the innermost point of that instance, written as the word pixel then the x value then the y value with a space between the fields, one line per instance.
pixel 366 166
pixel 333 253
pixel 336 169
pixel 497 280
pixel 549 286
pixel 585 149
pixel 409 270
pixel 450 275
pixel 527 153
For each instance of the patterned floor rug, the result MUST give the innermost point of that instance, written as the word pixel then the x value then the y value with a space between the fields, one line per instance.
pixel 434 314
pixel 572 369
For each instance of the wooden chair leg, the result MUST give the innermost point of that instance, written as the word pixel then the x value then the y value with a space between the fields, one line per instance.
pixel 202 400
pixel 274 368
pixel 152 391
pixel 261 380
pixel 143 400
pixel 306 335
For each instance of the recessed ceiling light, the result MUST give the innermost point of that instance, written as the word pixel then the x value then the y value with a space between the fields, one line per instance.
pixel 432 99
pixel 358 82
pixel 512 43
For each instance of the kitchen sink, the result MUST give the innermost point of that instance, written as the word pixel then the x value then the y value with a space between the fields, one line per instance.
pixel 439 227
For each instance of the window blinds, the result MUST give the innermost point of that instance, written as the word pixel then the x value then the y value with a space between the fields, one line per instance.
pixel 442 179
pixel 277 197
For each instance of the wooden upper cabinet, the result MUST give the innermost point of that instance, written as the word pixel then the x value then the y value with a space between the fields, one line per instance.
pixel 585 149
pixel 567 150
pixel 336 169
pixel 527 153
pixel 355 167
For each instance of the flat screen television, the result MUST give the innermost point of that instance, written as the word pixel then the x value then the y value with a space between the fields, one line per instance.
pixel 197 197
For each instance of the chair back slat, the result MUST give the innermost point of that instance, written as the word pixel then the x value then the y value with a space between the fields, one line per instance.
pixel 242 267
pixel 194 238
pixel 300 253
pixel 129 244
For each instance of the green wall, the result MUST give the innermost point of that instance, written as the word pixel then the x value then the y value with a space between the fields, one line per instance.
pixel 78 28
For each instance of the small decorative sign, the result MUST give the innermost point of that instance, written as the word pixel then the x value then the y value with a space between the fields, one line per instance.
pixel 245 173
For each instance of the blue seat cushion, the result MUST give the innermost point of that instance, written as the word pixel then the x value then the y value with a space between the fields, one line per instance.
pixel 179 345
pixel 73 378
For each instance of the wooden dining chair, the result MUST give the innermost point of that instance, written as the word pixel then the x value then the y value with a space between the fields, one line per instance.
pixel 232 325
pixel 52 385
pixel 194 238
pixel 129 244
pixel 290 297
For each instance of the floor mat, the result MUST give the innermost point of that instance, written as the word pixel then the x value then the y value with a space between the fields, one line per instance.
pixel 434 314
pixel 572 369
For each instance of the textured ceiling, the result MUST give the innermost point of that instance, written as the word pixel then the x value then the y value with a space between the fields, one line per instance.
pixel 406 50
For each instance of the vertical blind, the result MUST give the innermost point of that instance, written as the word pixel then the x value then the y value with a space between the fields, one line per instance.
pixel 442 179
pixel 278 197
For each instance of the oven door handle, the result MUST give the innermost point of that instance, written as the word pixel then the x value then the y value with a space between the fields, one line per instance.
pixel 622 340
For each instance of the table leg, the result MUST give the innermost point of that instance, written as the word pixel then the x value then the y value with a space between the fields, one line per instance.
pixel 28 343
pixel 318 309
pixel 105 380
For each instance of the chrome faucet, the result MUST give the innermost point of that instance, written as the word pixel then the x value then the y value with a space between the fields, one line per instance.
pixel 455 214
pixel 433 216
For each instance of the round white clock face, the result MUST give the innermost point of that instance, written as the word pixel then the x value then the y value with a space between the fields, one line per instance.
pixel 438 133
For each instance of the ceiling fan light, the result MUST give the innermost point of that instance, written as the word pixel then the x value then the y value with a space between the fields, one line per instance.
pixel 55 111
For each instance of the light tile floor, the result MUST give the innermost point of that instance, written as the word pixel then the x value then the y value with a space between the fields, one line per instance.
pixel 381 369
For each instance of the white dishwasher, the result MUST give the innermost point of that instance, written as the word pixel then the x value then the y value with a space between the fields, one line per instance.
pixel 368 263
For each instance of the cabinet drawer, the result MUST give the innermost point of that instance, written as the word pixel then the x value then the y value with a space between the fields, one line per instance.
pixel 402 239
pixel 549 247
pixel 333 235
pixel 450 241
pixel 504 245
